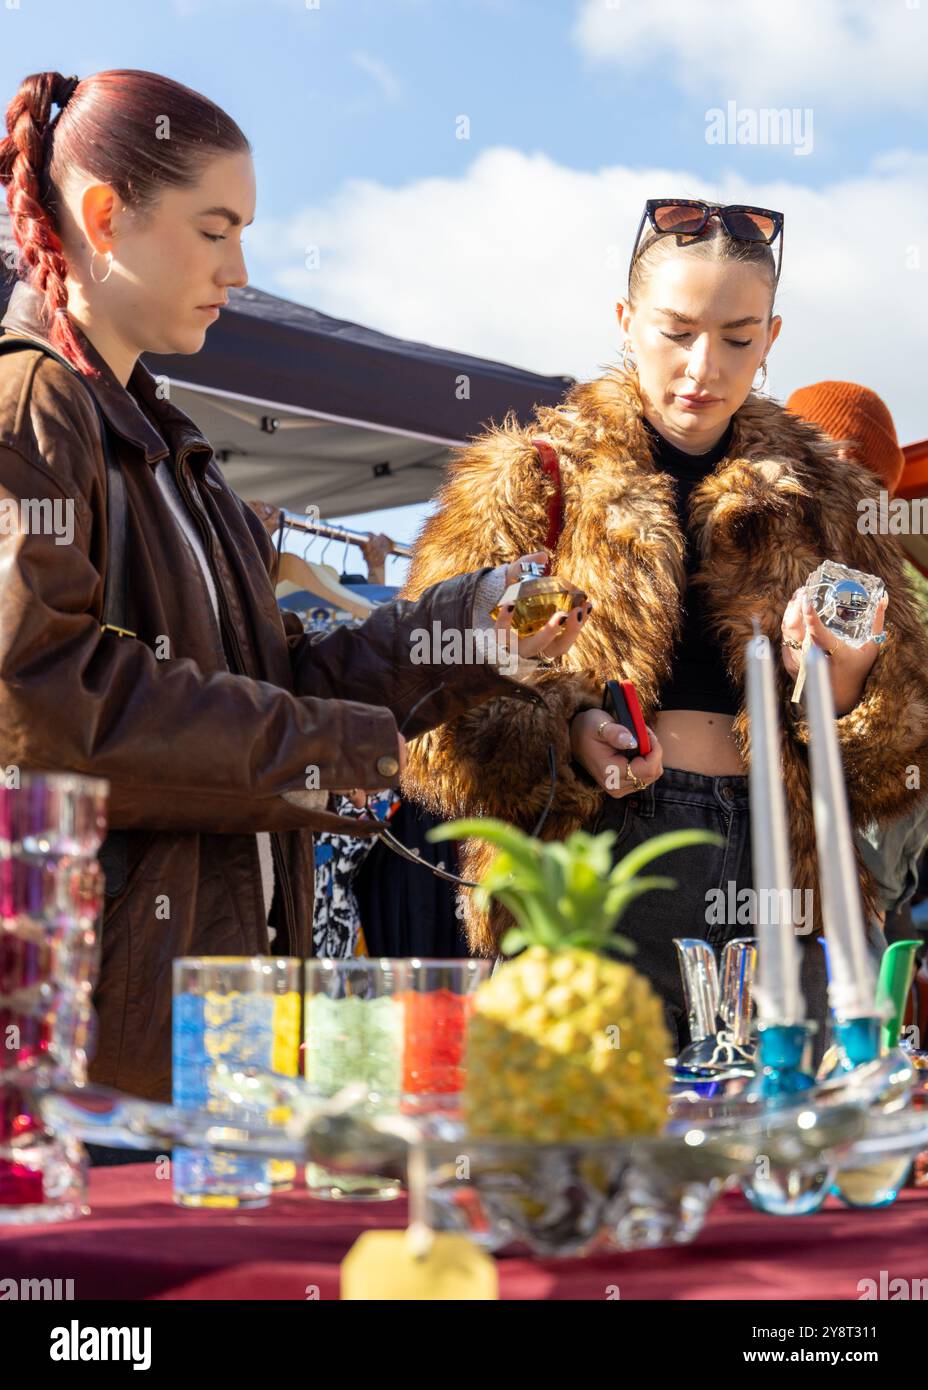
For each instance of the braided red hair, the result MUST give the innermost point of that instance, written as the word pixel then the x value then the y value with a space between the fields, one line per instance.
pixel 136 131
pixel 22 162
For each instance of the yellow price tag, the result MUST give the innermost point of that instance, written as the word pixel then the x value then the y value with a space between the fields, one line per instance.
pixel 397 1265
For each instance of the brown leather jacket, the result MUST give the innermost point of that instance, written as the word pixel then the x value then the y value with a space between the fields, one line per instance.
pixel 198 741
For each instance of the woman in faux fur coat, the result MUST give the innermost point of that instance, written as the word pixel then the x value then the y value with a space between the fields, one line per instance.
pixel 697 324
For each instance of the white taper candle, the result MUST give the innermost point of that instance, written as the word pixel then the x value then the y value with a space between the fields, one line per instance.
pixel 777 990
pixel 852 982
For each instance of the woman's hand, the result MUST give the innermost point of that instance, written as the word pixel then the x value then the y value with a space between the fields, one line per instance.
pixel 597 741
pixel 848 667
pixel 557 635
pixel 375 550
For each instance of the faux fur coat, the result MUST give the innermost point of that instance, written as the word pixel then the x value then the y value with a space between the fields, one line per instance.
pixel 778 504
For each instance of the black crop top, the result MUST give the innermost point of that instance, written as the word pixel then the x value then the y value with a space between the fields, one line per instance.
pixel 699 679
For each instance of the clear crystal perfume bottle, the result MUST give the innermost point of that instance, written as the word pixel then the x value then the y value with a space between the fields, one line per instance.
pixel 846 600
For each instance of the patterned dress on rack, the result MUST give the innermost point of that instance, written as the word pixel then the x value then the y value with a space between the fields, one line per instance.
pixel 336 918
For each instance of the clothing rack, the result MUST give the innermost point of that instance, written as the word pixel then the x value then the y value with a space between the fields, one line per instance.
pixel 293 522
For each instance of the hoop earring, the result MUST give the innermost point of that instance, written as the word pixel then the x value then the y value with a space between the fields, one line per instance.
pixel 109 268
pixel 763 377
pixel 627 357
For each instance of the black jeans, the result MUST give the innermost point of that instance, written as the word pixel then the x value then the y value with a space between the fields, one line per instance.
pixel 709 878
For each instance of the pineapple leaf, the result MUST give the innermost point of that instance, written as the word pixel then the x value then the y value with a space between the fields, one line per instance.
pixel 564 892
pixel 587 889
pixel 503 870
pixel 596 932
pixel 525 887
pixel 621 894
pixel 522 847
pixel 595 850
pixel 529 911
pixel 555 867
pixel 513 941
pixel 660 844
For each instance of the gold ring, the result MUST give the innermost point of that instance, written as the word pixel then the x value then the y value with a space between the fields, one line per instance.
pixel 791 642
pixel 638 784
pixel 600 727
pixel 834 649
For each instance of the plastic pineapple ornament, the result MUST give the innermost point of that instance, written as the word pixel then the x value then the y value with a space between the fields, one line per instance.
pixel 565 1043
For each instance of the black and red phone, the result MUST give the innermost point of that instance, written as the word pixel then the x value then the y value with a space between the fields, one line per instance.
pixel 620 699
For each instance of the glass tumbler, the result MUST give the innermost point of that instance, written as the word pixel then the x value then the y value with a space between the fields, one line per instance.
pixel 241 1011
pixel 353 1033
pixel 437 1009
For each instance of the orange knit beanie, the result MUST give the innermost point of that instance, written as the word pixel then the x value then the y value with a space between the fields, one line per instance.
pixel 855 415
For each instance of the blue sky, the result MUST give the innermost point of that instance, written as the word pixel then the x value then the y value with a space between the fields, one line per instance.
pixel 507 242
pixel 370 88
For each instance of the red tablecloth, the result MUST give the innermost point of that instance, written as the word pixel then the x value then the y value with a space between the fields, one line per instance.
pixel 138 1244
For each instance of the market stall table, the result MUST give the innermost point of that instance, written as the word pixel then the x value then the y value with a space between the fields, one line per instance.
pixel 138 1244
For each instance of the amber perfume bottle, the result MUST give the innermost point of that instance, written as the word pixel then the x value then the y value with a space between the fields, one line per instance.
pixel 537 597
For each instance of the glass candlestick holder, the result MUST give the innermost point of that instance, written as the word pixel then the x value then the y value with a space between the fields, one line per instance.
pixel 51 895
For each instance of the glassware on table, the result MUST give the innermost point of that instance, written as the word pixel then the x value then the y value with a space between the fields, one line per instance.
pixel 353 1024
pixel 285 1061
pixel 919 1060
pixel 566 1200
pixel 719 1059
pixel 437 1009
pixel 51 895
pixel 242 1011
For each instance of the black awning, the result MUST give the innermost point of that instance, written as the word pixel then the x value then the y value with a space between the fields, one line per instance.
pixel 269 349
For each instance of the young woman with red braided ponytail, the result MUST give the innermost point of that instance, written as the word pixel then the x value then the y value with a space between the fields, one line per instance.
pixel 220 727
pixel 107 190
pixel 22 158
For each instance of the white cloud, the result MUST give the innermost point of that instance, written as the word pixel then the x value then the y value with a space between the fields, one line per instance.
pixel 521 260
pixel 852 53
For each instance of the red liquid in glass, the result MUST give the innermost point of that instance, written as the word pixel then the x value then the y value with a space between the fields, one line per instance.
pixel 433 1045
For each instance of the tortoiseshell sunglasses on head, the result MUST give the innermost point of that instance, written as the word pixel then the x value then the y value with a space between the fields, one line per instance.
pixel 690 217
